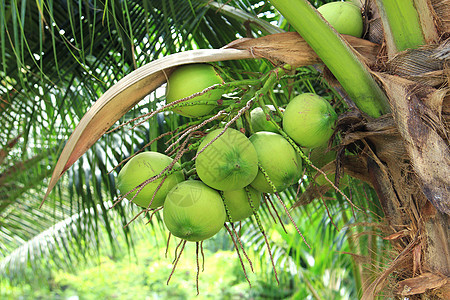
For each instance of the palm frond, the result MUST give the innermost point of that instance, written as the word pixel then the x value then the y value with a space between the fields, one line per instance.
pixel 66 241
pixel 83 49
pixel 58 58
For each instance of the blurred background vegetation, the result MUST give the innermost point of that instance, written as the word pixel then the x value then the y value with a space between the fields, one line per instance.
pixel 57 58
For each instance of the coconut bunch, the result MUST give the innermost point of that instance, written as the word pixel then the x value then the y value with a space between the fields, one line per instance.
pixel 235 163
pixel 233 166
pixel 243 147
pixel 124 95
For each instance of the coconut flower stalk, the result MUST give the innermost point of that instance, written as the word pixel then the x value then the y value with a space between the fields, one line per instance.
pixel 338 56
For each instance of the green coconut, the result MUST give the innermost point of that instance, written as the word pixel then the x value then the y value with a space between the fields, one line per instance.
pixel 238 203
pixel 260 122
pixel 142 167
pixel 190 79
pixel 193 211
pixel 309 120
pixel 228 163
pixel 345 17
pixel 278 158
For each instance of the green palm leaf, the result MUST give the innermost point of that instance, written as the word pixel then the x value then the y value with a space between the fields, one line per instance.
pixel 57 59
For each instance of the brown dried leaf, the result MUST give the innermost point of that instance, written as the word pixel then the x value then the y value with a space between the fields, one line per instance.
pixel 374 288
pixel 420 284
pixel 397 235
pixel 291 48
pixel 417 259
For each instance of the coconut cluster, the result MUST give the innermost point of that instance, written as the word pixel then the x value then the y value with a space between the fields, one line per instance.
pixel 232 170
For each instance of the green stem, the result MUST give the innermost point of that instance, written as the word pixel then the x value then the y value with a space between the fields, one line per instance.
pixel 249 123
pixel 353 75
pixel 401 24
pixel 275 104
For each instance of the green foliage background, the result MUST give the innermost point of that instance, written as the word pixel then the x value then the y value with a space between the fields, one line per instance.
pixel 320 270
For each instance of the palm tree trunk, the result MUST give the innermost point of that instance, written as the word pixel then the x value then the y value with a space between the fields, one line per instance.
pixel 408 158
pixel 417 228
pixel 415 192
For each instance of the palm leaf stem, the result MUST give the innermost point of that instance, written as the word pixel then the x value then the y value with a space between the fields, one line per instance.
pixel 401 24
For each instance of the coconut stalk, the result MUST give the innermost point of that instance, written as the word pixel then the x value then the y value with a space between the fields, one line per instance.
pixel 338 56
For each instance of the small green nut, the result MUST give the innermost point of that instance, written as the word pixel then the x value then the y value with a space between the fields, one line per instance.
pixel 345 17
pixel 142 167
pixel 229 163
pixel 309 120
pixel 189 79
pixel 279 160
pixel 238 203
pixel 193 211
